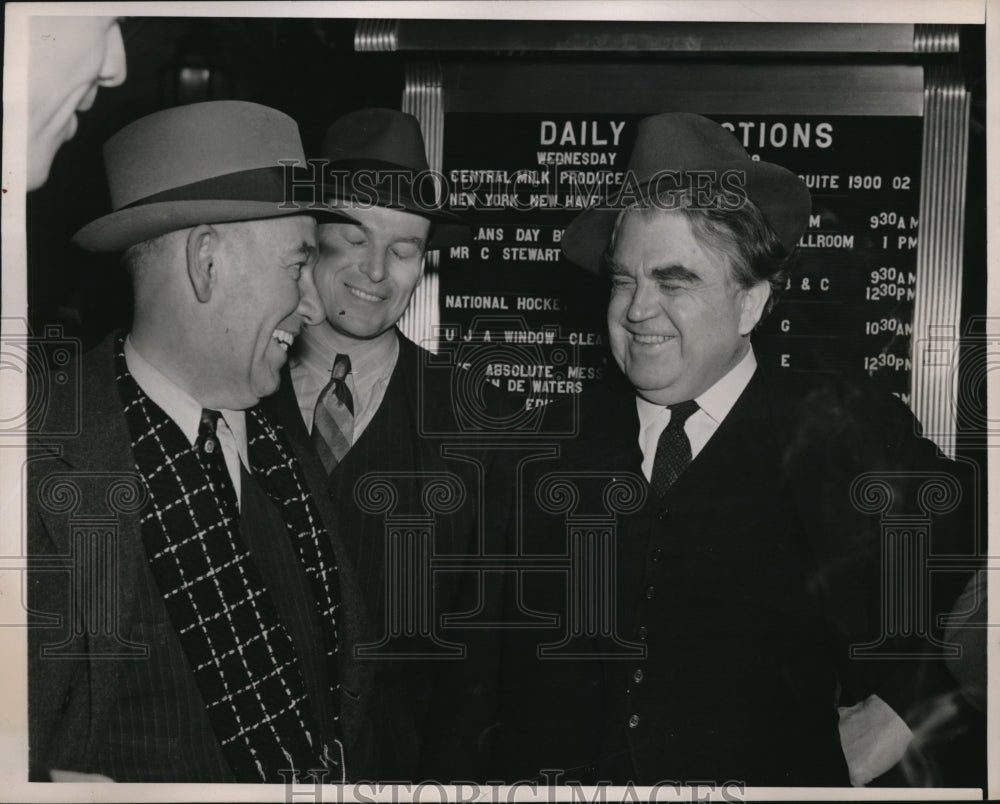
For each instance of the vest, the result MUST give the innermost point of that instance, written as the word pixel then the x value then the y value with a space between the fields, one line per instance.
pixel 740 679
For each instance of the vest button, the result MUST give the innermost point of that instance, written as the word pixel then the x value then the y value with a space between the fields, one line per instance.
pixel 643 632
pixel 662 513
pixel 657 556
pixel 633 721
pixel 638 675
pixel 650 592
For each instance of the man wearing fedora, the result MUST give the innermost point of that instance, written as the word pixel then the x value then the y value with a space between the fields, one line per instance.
pixel 750 571
pixel 360 390
pixel 199 628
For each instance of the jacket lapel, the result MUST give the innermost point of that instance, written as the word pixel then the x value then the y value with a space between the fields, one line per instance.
pixel 737 445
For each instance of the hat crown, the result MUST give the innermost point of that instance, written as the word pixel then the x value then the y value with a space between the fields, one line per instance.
pixel 378 135
pixel 677 141
pixel 155 154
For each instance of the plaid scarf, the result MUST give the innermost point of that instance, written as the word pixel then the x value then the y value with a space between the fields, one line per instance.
pixel 242 656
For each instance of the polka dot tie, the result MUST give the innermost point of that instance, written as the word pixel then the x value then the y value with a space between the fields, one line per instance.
pixel 673 450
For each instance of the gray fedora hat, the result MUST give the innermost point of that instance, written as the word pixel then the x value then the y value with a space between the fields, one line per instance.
pixel 683 144
pixel 388 146
pixel 213 162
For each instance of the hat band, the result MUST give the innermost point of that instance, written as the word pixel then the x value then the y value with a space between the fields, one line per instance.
pixel 374 165
pixel 265 184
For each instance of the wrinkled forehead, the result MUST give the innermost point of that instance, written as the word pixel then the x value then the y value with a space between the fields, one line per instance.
pixel 648 237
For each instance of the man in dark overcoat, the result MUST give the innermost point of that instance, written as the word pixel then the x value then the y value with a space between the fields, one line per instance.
pixel 769 628
pixel 192 610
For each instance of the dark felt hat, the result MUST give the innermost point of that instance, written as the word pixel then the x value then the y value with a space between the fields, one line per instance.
pixel 377 158
pixel 214 162
pixel 679 145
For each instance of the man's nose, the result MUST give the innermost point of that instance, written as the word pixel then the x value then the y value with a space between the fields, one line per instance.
pixel 642 305
pixel 374 267
pixel 310 307
pixel 114 69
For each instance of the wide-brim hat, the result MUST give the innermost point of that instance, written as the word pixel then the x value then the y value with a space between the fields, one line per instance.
pixel 376 157
pixel 674 148
pixel 214 162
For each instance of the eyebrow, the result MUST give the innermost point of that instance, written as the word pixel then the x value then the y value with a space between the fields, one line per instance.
pixel 674 273
pixel 612 266
pixel 416 240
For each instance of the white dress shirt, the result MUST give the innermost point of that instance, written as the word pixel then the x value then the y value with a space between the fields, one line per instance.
pixel 372 364
pixel 713 406
pixel 185 411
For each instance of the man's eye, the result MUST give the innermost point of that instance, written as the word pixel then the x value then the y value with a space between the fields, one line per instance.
pixel 405 253
pixel 620 282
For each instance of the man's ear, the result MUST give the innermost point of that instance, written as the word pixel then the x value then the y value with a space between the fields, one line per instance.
pixel 754 301
pixel 202 248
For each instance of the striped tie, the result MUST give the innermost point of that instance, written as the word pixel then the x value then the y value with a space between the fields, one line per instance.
pixel 333 418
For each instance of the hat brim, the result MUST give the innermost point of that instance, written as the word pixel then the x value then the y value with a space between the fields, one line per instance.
pixel 779 194
pixel 119 230
pixel 449 229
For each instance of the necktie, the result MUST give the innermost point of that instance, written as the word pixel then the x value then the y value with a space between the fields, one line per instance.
pixel 333 418
pixel 210 454
pixel 673 450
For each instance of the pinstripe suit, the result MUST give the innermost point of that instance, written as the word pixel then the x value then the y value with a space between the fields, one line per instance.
pixel 417 738
pixel 80 703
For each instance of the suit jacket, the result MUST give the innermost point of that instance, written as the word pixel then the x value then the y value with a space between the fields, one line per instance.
pixel 71 697
pixel 746 585
pixel 405 444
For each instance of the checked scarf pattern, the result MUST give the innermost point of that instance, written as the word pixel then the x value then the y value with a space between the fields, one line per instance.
pixel 242 656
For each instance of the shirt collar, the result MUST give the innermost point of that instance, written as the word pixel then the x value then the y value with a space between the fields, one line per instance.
pixel 717 401
pixel 371 360
pixel 178 404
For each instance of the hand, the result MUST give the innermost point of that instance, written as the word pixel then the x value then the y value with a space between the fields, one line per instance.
pixel 873 737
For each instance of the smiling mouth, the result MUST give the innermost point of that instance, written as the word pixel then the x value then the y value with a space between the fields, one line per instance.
pixel 363 295
pixel 651 339
pixel 284 338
